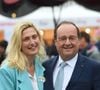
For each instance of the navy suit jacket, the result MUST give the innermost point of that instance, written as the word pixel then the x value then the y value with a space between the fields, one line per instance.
pixel 86 75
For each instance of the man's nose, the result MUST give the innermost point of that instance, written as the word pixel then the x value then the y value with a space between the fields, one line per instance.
pixel 67 41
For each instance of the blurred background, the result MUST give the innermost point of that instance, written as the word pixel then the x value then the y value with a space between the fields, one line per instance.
pixel 46 14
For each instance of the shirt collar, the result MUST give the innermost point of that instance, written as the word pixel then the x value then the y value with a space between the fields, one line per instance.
pixel 70 62
pixel 32 77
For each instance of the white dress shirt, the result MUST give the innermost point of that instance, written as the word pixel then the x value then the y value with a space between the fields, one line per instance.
pixel 34 81
pixel 68 70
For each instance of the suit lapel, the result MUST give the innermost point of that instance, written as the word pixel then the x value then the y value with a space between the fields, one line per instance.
pixel 49 74
pixel 54 62
pixel 77 71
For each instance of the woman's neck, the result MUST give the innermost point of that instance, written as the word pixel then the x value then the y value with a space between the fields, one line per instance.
pixel 31 66
pixel 31 60
pixel 31 70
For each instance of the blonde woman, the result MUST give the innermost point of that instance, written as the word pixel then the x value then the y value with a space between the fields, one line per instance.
pixel 22 68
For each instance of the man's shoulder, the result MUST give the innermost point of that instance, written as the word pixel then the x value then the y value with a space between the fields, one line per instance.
pixel 89 61
pixel 50 61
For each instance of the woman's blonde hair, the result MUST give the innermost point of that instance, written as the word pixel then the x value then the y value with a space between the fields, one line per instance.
pixel 15 57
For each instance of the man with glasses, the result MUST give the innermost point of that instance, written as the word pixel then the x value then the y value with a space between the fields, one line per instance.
pixel 70 70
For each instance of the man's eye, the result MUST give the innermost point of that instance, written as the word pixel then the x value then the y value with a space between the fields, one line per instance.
pixel 62 38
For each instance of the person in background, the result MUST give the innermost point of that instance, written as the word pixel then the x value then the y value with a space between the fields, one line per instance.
pixel 22 68
pixel 88 49
pixel 3 46
pixel 97 35
pixel 51 50
pixel 70 70
pixel 98 44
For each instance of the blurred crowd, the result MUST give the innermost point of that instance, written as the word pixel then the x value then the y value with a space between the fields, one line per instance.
pixel 3 46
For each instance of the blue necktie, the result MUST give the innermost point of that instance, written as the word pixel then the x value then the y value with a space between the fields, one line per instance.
pixel 60 77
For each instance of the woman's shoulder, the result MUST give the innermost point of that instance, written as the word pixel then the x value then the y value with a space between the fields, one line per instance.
pixel 6 69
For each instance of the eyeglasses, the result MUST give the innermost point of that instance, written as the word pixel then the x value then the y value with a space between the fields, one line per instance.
pixel 70 38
